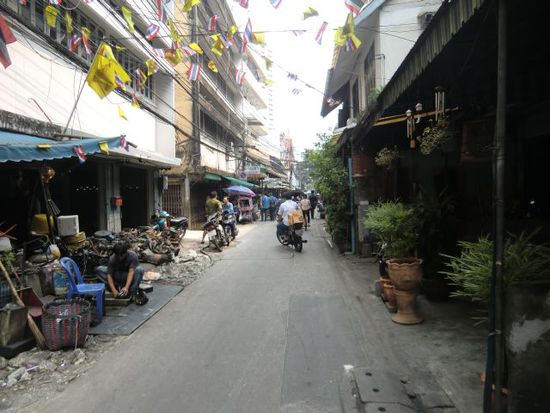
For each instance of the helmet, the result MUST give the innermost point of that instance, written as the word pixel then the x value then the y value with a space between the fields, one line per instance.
pixel 164 214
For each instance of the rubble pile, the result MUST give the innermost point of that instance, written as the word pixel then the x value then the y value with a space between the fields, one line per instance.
pixel 185 268
pixel 35 374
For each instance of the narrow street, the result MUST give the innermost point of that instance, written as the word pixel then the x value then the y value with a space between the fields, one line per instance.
pixel 265 330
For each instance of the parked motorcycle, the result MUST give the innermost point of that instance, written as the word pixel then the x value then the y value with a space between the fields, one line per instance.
pixel 169 233
pixel 216 233
pixel 293 236
pixel 229 226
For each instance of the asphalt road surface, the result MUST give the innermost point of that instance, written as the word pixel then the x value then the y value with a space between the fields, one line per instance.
pixel 265 330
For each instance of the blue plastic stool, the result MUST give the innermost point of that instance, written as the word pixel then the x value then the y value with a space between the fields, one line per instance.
pixel 80 288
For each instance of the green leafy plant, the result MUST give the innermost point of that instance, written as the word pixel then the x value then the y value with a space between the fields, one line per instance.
pixel 386 156
pixel 434 135
pixel 471 271
pixel 330 179
pixel 397 225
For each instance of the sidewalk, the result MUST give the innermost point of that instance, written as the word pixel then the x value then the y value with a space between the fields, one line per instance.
pixel 447 347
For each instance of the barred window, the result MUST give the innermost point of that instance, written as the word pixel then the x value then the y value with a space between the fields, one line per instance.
pixel 131 64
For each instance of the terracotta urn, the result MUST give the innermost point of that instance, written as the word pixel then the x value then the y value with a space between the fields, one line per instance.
pixel 406 275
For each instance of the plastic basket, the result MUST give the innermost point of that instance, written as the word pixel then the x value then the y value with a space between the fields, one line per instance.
pixel 65 323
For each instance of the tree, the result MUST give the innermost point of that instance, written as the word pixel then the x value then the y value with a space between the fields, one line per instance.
pixel 330 179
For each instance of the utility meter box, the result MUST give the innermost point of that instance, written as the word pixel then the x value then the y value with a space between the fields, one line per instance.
pixel 68 225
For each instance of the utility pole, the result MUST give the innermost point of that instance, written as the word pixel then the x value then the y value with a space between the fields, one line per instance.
pixel 195 96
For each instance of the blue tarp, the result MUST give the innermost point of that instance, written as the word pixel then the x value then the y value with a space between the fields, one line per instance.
pixel 17 147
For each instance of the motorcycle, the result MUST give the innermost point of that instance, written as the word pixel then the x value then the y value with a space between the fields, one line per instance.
pixel 169 233
pixel 216 233
pixel 294 233
pixel 229 226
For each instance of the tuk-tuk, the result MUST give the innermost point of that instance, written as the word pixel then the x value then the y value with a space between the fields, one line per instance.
pixel 246 209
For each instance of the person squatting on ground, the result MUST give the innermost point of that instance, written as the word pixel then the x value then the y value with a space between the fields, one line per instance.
pixel 212 206
pixel 264 206
pixel 306 209
pixel 123 273
pixel 287 207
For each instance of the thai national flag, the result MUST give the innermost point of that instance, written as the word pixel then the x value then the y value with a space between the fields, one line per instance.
pixel 319 36
pixel 226 42
pixel 124 143
pixel 75 41
pixel 292 76
pixel 354 6
pixel 152 31
pixel 248 30
pixel 239 76
pixel 194 72
pixel 244 3
pixel 276 3
pixel 55 2
pixel 79 151
pixel 86 45
pixel 188 51
pixel 244 44
pixel 212 23
pixel 296 91
pixel 119 82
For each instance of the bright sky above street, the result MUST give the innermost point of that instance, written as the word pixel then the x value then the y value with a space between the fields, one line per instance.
pixel 297 114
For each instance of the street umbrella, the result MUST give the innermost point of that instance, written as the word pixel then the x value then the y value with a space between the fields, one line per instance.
pixel 239 190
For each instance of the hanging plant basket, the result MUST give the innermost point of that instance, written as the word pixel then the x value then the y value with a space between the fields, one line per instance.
pixel 434 136
pixel 386 156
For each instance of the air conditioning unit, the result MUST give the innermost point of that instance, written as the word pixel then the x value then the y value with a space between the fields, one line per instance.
pixel 68 225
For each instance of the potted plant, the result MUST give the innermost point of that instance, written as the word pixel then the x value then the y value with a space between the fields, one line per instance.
pixel 386 156
pixel 398 227
pixel 434 136
pixel 527 310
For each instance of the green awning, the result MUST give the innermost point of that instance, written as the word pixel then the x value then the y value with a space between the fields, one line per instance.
pixel 212 177
pixel 236 181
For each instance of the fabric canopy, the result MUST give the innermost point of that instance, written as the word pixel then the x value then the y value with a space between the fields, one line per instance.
pixel 17 147
pixel 212 177
pixel 236 181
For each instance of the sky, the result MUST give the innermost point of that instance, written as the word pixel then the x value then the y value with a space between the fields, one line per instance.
pixel 297 114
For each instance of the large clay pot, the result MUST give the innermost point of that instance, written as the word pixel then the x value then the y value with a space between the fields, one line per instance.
pixel 406 275
pixel 389 296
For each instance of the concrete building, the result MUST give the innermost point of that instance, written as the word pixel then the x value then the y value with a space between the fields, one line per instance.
pixel 222 118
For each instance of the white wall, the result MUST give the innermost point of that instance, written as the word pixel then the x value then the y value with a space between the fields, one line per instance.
pixel 216 159
pixel 399 21
pixel 54 84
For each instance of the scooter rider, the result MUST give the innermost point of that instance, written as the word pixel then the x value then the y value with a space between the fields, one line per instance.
pixel 286 208
pixel 227 208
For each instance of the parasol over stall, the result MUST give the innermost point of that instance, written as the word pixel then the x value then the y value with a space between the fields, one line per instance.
pixel 239 190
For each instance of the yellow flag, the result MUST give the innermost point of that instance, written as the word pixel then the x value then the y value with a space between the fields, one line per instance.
pixel 258 38
pixel 188 5
pixel 176 38
pixel 104 146
pixel 119 48
pixel 309 12
pixel 196 48
pixel 217 46
pixel 349 26
pixel 152 67
pixel 174 56
pixel 127 14
pixel 121 113
pixel 231 31
pixel 68 22
pixel 101 77
pixel 339 37
pixel 268 82
pixel 50 12
pixel 212 66
pixel 268 63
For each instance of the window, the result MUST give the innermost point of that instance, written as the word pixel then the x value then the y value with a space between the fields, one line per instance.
pixel 370 75
pixel 33 14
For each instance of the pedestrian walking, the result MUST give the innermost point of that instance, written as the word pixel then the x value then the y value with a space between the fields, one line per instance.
pixel 272 206
pixel 313 200
pixel 264 206
pixel 305 205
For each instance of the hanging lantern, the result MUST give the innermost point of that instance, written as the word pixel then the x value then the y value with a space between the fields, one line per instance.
pixel 439 102
pixel 418 110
